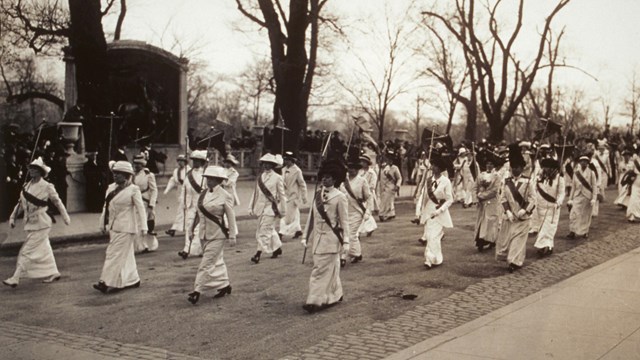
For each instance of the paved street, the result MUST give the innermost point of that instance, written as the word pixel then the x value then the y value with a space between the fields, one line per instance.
pixel 263 318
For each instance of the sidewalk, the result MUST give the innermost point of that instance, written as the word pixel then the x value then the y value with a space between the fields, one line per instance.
pixel 592 315
pixel 84 226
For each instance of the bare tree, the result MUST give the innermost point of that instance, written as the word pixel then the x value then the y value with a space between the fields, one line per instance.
pixel 632 101
pixel 294 41
pixel 375 89
pixel 503 80
pixel 256 82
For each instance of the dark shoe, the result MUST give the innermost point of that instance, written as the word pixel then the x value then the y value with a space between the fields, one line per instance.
pixel 586 236
pixel 343 263
pixel 422 242
pixel 153 233
pixel 280 236
pixel 170 232
pixel 276 253
pixel 427 267
pixel 101 286
pixel 311 308
pixel 356 259
pixel 194 297
pixel 222 292
pixel 513 267
pixel 391 217
pixel 534 233
pixel 256 257
pixel 492 245
pixel 133 286
pixel 382 218
pixel 11 285
pixel 370 233
pixel 145 251
pixel 415 221
pixel 297 234
pixel 183 255
pixel 571 235
pixel 51 279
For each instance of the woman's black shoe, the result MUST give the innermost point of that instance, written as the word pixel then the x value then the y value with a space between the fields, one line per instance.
pixel 183 255
pixel 222 292
pixel 170 232
pixel 133 286
pixel 256 257
pixel 343 263
pixel 513 267
pixel 356 259
pixel 276 253
pixel 311 308
pixel 101 286
pixel 194 297
pixel 571 235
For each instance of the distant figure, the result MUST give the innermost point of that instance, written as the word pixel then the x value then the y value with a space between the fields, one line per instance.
pixel 177 181
pixel 94 183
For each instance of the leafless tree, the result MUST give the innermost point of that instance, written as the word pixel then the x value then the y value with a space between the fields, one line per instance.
pixel 294 41
pixel 257 83
pixel 503 80
pixel 632 101
pixel 375 89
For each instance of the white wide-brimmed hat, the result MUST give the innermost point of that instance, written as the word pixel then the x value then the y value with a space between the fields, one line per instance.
pixel 232 159
pixel 526 144
pixel 462 151
pixel 140 159
pixel 269 158
pixel 122 166
pixel 584 157
pixel 216 172
pixel 199 155
pixel 181 157
pixel 279 160
pixel 40 164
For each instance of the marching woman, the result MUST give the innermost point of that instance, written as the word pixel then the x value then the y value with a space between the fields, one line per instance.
pixel 487 189
pixel 35 259
pixel 518 204
pixel 435 214
pixel 146 181
pixel 177 181
pixel 371 176
pixel 328 239
pixel 232 178
pixel 626 176
pixel 214 205
pixel 123 216
pixel 356 189
pixel 549 198
pixel 390 181
pixel 633 208
pixel 295 190
pixel 583 197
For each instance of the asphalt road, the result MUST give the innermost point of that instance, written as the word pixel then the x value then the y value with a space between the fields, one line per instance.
pixel 263 317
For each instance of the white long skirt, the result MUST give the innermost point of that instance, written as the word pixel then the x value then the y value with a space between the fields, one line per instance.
pixel 290 223
pixel 146 242
pixel 178 222
pixel 355 223
pixel 512 242
pixel 212 272
pixel 35 259
pixel 549 217
pixel 120 268
pixel 580 216
pixel 387 203
pixel 633 209
pixel 192 246
pixel 433 233
pixel 266 234
pixel 324 284
pixel 623 196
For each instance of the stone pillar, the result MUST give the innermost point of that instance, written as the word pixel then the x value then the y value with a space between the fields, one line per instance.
pixel 76 192
pixel 70 88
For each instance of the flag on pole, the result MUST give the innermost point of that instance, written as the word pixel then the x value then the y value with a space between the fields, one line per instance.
pixel 363 124
pixel 549 128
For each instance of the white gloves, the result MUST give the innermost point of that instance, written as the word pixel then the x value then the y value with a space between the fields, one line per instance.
pixel 521 213
pixel 593 202
pixel 510 216
pixel 67 221
pixel 251 212
pixel 12 223
pixel 231 241
pixel 303 241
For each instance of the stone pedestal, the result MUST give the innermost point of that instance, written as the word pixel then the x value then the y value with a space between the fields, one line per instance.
pixel 76 192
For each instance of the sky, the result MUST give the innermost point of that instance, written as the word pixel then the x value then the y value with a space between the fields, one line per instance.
pixel 602 36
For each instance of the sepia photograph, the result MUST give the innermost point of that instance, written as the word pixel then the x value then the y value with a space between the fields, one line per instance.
pixel 319 179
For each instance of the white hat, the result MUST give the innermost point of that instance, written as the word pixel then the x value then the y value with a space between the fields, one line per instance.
pixel 269 158
pixel 39 163
pixel 122 166
pixel 199 155
pixel 181 157
pixel 279 160
pixel 584 157
pixel 215 171
pixel 139 159
pixel 545 146
pixel 232 159
pixel 462 151
pixel 602 143
pixel 526 144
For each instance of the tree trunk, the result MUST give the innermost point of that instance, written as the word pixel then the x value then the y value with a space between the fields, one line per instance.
pixel 89 49
pixel 496 130
pixel 470 130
